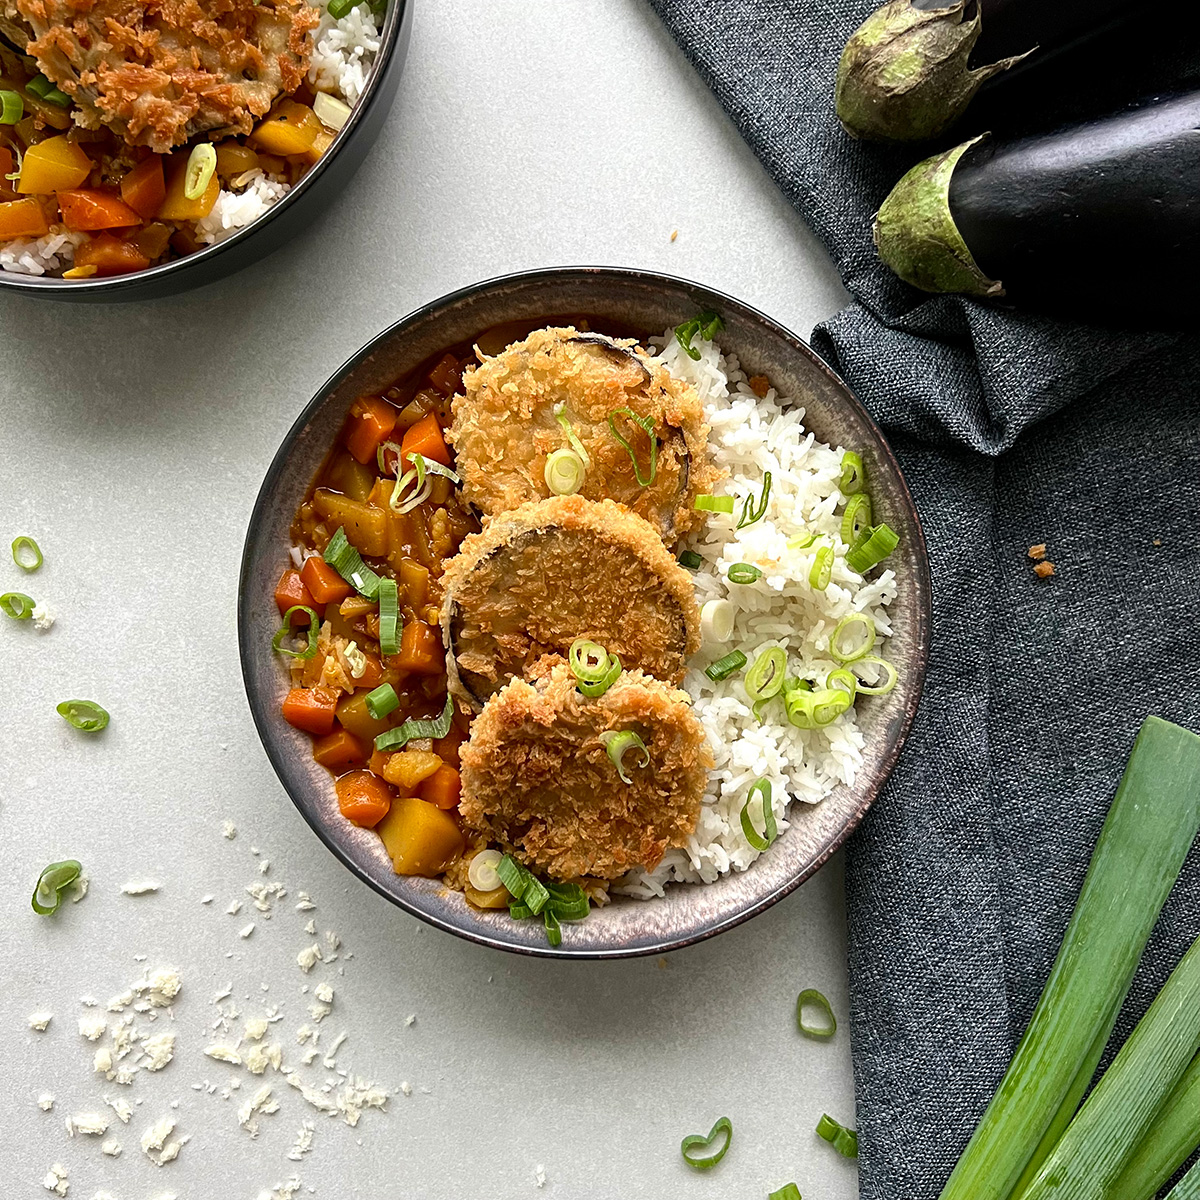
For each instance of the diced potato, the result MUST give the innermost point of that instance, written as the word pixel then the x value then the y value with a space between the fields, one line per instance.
pixel 350 476
pixel 321 143
pixel 414 579
pixel 498 897
pixel 352 714
pixel 177 207
pixel 234 159
pixel 291 128
pixel 54 165
pixel 22 219
pixel 420 838
pixel 366 527
pixel 408 768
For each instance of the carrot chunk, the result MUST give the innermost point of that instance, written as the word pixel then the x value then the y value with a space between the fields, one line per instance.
pixel 371 421
pixel 22 219
pixel 110 255
pixel 289 592
pixel 324 584
pixel 420 650
pixel 145 187
pixel 339 750
pixel 88 209
pixel 425 438
pixel 310 709
pixel 363 798
pixel 442 788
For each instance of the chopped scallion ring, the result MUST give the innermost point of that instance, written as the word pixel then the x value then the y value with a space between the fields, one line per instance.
pixel 646 425
pixel 707 325
pixel 12 107
pixel 428 466
pixel 842 679
pixel 761 789
pixel 844 653
pixel 26 553
pixel 721 504
pixel 381 454
pixel 285 630
pixel 890 675
pixel 482 874
pixel 57 96
pixel 765 678
pixel 752 511
pixel 17 605
pixel 382 700
pixel 691 560
pixel 38 86
pixel 872 547
pixel 827 1028
pixel 564 472
pixel 620 743
pixel 594 668
pixel 201 164
pixel 854 475
pixel 421 492
pixel 84 715
pixel 856 518
pixel 801 541
pixel 568 901
pixel 744 573
pixel 553 928
pixel 438 727
pixel 789 1191
pixel 695 1142
pixel 513 875
pixel 821 571
pixel 389 617
pixel 536 897
pixel 735 660
pixel 338 9
pixel 815 709
pixel 520 912
pixel 348 563
pixel 716 620
pixel 843 1140
pixel 47 892
pixel 573 441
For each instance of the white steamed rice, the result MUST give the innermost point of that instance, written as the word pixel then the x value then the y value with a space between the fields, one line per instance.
pixel 749 437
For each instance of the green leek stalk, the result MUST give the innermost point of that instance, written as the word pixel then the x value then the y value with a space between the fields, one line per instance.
pixel 1149 829
pixel 1122 1107
pixel 1167 1146
pixel 1188 1188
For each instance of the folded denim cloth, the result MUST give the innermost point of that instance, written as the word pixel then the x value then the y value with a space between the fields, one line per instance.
pixel 1013 429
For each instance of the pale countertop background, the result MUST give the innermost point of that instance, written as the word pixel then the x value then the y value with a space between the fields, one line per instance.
pixel 132 443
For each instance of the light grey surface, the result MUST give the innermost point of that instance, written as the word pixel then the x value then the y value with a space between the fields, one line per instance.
pixel 132 442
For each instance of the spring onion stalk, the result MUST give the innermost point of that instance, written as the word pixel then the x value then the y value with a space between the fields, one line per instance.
pixel 735 660
pixel 821 571
pixel 619 743
pixel 12 107
pixel 348 563
pixel 743 573
pixel 843 1140
pixel 382 700
pixel 482 874
pixel 1150 827
pixel 719 504
pixel 716 620
pixel 854 475
pixel 890 674
pixel 595 670
pixel 1188 1188
pixel 707 325
pixel 856 518
pixel 85 715
pixel 646 425
pixel 389 617
pixel 823 1031
pixel 17 605
pixel 438 727
pixel 47 892
pixel 695 1142
pixel 27 554
pixel 765 678
pixel 285 631
pixel 761 789
pixel 1169 1143
pixel 842 649
pixel 1116 1116
pixel 789 1191
pixel 871 548
pixel 753 510
pixel 573 441
pixel 691 560
pixel 564 472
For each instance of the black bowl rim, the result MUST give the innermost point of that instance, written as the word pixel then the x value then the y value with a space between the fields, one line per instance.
pixel 389 38
pixel 924 615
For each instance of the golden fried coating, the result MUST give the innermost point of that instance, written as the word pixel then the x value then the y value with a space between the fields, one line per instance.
pixel 555 570
pixel 158 74
pixel 538 781
pixel 505 427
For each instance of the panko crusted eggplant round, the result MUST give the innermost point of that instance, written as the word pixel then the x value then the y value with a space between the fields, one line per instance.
pixel 552 571
pixel 539 780
pixel 598 396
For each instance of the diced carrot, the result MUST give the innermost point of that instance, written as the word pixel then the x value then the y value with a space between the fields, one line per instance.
pixel 447 375
pixel 310 709
pixel 88 209
pixel 324 584
pixel 145 187
pixel 442 788
pixel 372 677
pixel 22 219
pixel 339 750
pixel 371 420
pixel 110 255
pixel 378 761
pixel 447 748
pixel 420 650
pixel 425 438
pixel 289 592
pixel 363 798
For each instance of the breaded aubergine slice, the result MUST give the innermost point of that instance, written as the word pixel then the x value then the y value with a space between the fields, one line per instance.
pixel 555 570
pixel 537 779
pixel 506 424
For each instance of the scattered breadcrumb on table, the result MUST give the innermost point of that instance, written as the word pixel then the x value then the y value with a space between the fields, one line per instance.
pixel 1037 551
pixel 674 234
pixel 1044 570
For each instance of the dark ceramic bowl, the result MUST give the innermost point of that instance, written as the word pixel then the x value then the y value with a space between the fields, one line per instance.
pixel 632 300
pixel 318 190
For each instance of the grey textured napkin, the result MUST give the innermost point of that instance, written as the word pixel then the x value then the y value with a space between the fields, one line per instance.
pixel 1013 429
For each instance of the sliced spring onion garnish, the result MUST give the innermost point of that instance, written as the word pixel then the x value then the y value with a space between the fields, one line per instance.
pixel 285 630
pixel 842 679
pixel 707 325
pixel 755 511
pixel 381 455
pixel 852 637
pixel 12 107
pixel 694 1144
pixel 428 466
pixel 594 668
pixel 821 571
pixel 56 96
pixel 620 743
pixel 17 605
pixel 827 1027
pixel 843 1140
pixel 801 541
pixel 27 553
pixel 389 617
pixel 85 715
pixel 438 727
pixel 331 112
pixel 765 678
pixel 568 901
pixel 716 620
pixel 856 517
pixel 348 563
pixel 338 9
pixel 553 928
pixel 422 491
pixel 564 472
pixel 735 660
pixel 38 86
pixel 482 874
pixel 382 700
pixel 519 911
pixel 513 875
pixel 815 709
pixel 890 675
pixel 854 475
pixel 573 441
pixel 873 546
pixel 47 892
pixel 201 164
pixel 743 573
pixel 761 789
pixel 691 560
pixel 646 425
pixel 789 1191
pixel 536 897
pixel 721 504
